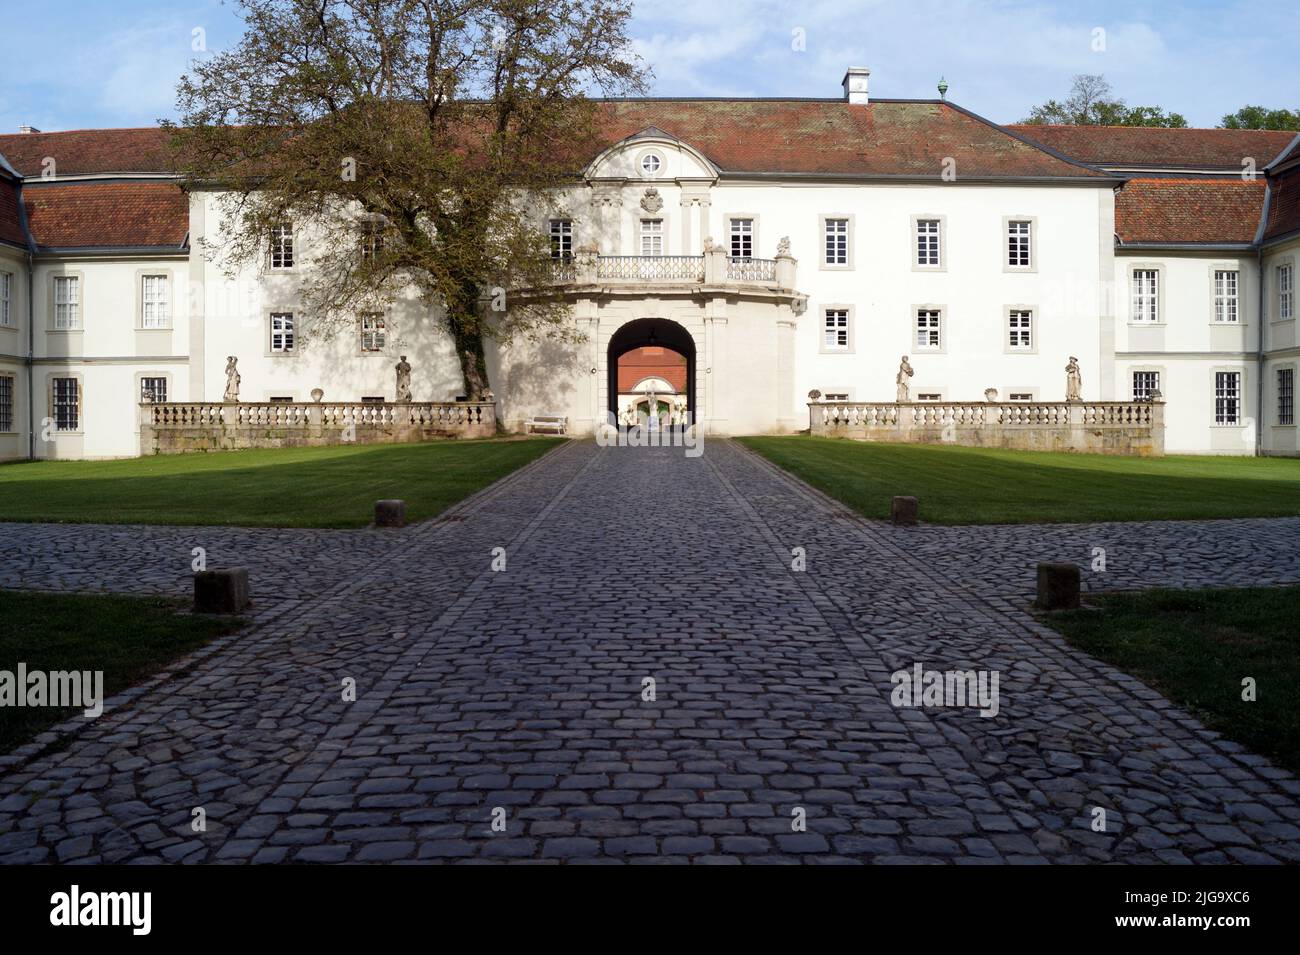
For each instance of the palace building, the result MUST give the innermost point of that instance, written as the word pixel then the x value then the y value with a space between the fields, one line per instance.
pixel 727 256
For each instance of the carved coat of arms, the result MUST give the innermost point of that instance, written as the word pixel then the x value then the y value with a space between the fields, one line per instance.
pixel 652 202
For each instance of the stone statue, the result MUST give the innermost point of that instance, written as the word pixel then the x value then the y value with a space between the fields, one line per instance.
pixel 629 416
pixel 1073 381
pixel 232 379
pixel 403 380
pixel 904 373
pixel 783 245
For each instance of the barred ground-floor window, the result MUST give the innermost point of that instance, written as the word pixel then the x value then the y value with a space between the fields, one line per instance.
pixel 1145 385
pixel 1227 397
pixel 1286 396
pixel 6 402
pixel 153 389
pixel 66 398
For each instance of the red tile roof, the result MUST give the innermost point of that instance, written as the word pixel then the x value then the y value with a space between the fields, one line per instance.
pixel 902 138
pixel 911 138
pixel 88 151
pixel 11 229
pixel 1157 147
pixel 1189 210
pixel 1284 210
pixel 107 215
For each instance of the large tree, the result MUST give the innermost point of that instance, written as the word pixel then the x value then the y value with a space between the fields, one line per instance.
pixel 1092 102
pixel 419 141
pixel 1261 117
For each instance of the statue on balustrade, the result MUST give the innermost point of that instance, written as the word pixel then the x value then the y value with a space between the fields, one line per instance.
pixel 403 380
pixel 232 379
pixel 1073 381
pixel 904 373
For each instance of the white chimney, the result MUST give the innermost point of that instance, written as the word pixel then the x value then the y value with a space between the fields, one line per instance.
pixel 28 129
pixel 855 85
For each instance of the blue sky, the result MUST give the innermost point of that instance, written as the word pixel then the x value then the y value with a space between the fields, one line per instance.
pixel 83 63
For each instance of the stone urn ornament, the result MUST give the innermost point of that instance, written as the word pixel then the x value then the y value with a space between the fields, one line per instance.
pixel 990 395
pixel 317 394
pixel 904 373
pixel 232 379
pixel 1073 381
pixel 403 380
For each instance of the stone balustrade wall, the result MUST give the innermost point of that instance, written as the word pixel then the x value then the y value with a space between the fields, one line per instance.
pixel 174 427
pixel 1103 427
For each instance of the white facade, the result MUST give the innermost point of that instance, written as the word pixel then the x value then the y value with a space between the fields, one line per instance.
pixel 874 269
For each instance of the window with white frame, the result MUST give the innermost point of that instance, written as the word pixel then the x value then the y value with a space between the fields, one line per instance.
pixel 836 329
pixel 66 398
pixel 1226 283
pixel 372 240
pixel 282 332
pixel 1145 385
pixel 1146 295
pixel 742 238
pixel 67 301
pixel 1227 397
pixel 929 396
pixel 561 238
pixel 6 402
pixel 837 241
pixel 1020 329
pixel 373 331
pixel 1021 396
pixel 154 311
pixel 652 236
pixel 836 396
pixel 927 243
pixel 1285 292
pixel 1019 243
pixel 282 246
pixel 153 389
pixel 929 329
pixel 1286 396
pixel 6 290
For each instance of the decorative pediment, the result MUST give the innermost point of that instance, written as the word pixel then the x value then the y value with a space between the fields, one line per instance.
pixel 652 155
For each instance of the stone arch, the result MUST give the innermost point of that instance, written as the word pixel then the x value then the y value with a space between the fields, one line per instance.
pixel 650 331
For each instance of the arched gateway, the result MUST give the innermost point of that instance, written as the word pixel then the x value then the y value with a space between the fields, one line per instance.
pixel 650 339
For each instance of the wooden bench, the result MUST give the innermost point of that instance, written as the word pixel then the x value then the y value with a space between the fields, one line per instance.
pixel 548 422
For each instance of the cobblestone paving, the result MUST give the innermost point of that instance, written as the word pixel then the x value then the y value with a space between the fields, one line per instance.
pixel 523 691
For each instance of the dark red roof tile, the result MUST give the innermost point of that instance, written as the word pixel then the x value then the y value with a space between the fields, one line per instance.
pixel 1159 147
pixel 11 227
pixel 1189 210
pixel 88 151
pixel 107 214
pixel 902 138
pixel 1284 210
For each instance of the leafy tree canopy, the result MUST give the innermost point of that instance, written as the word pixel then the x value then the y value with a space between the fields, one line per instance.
pixel 1092 102
pixel 1261 117
pixel 414 140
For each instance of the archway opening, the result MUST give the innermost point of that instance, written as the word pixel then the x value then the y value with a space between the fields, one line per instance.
pixel 651 364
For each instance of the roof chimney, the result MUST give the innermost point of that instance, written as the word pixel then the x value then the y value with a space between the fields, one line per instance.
pixel 855 85
pixel 28 129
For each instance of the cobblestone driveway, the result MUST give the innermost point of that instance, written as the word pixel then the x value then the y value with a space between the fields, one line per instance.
pixel 522 690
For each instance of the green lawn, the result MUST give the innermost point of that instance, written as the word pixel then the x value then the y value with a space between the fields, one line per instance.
pixel 127 638
pixel 293 487
pixel 977 486
pixel 1196 647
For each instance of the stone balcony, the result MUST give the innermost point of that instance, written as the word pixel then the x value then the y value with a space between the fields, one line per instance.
pixel 713 270
pixel 1101 427
pixel 173 427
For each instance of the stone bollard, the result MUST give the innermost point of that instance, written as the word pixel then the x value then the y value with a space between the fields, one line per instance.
pixel 903 511
pixel 390 513
pixel 221 591
pixel 1058 587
